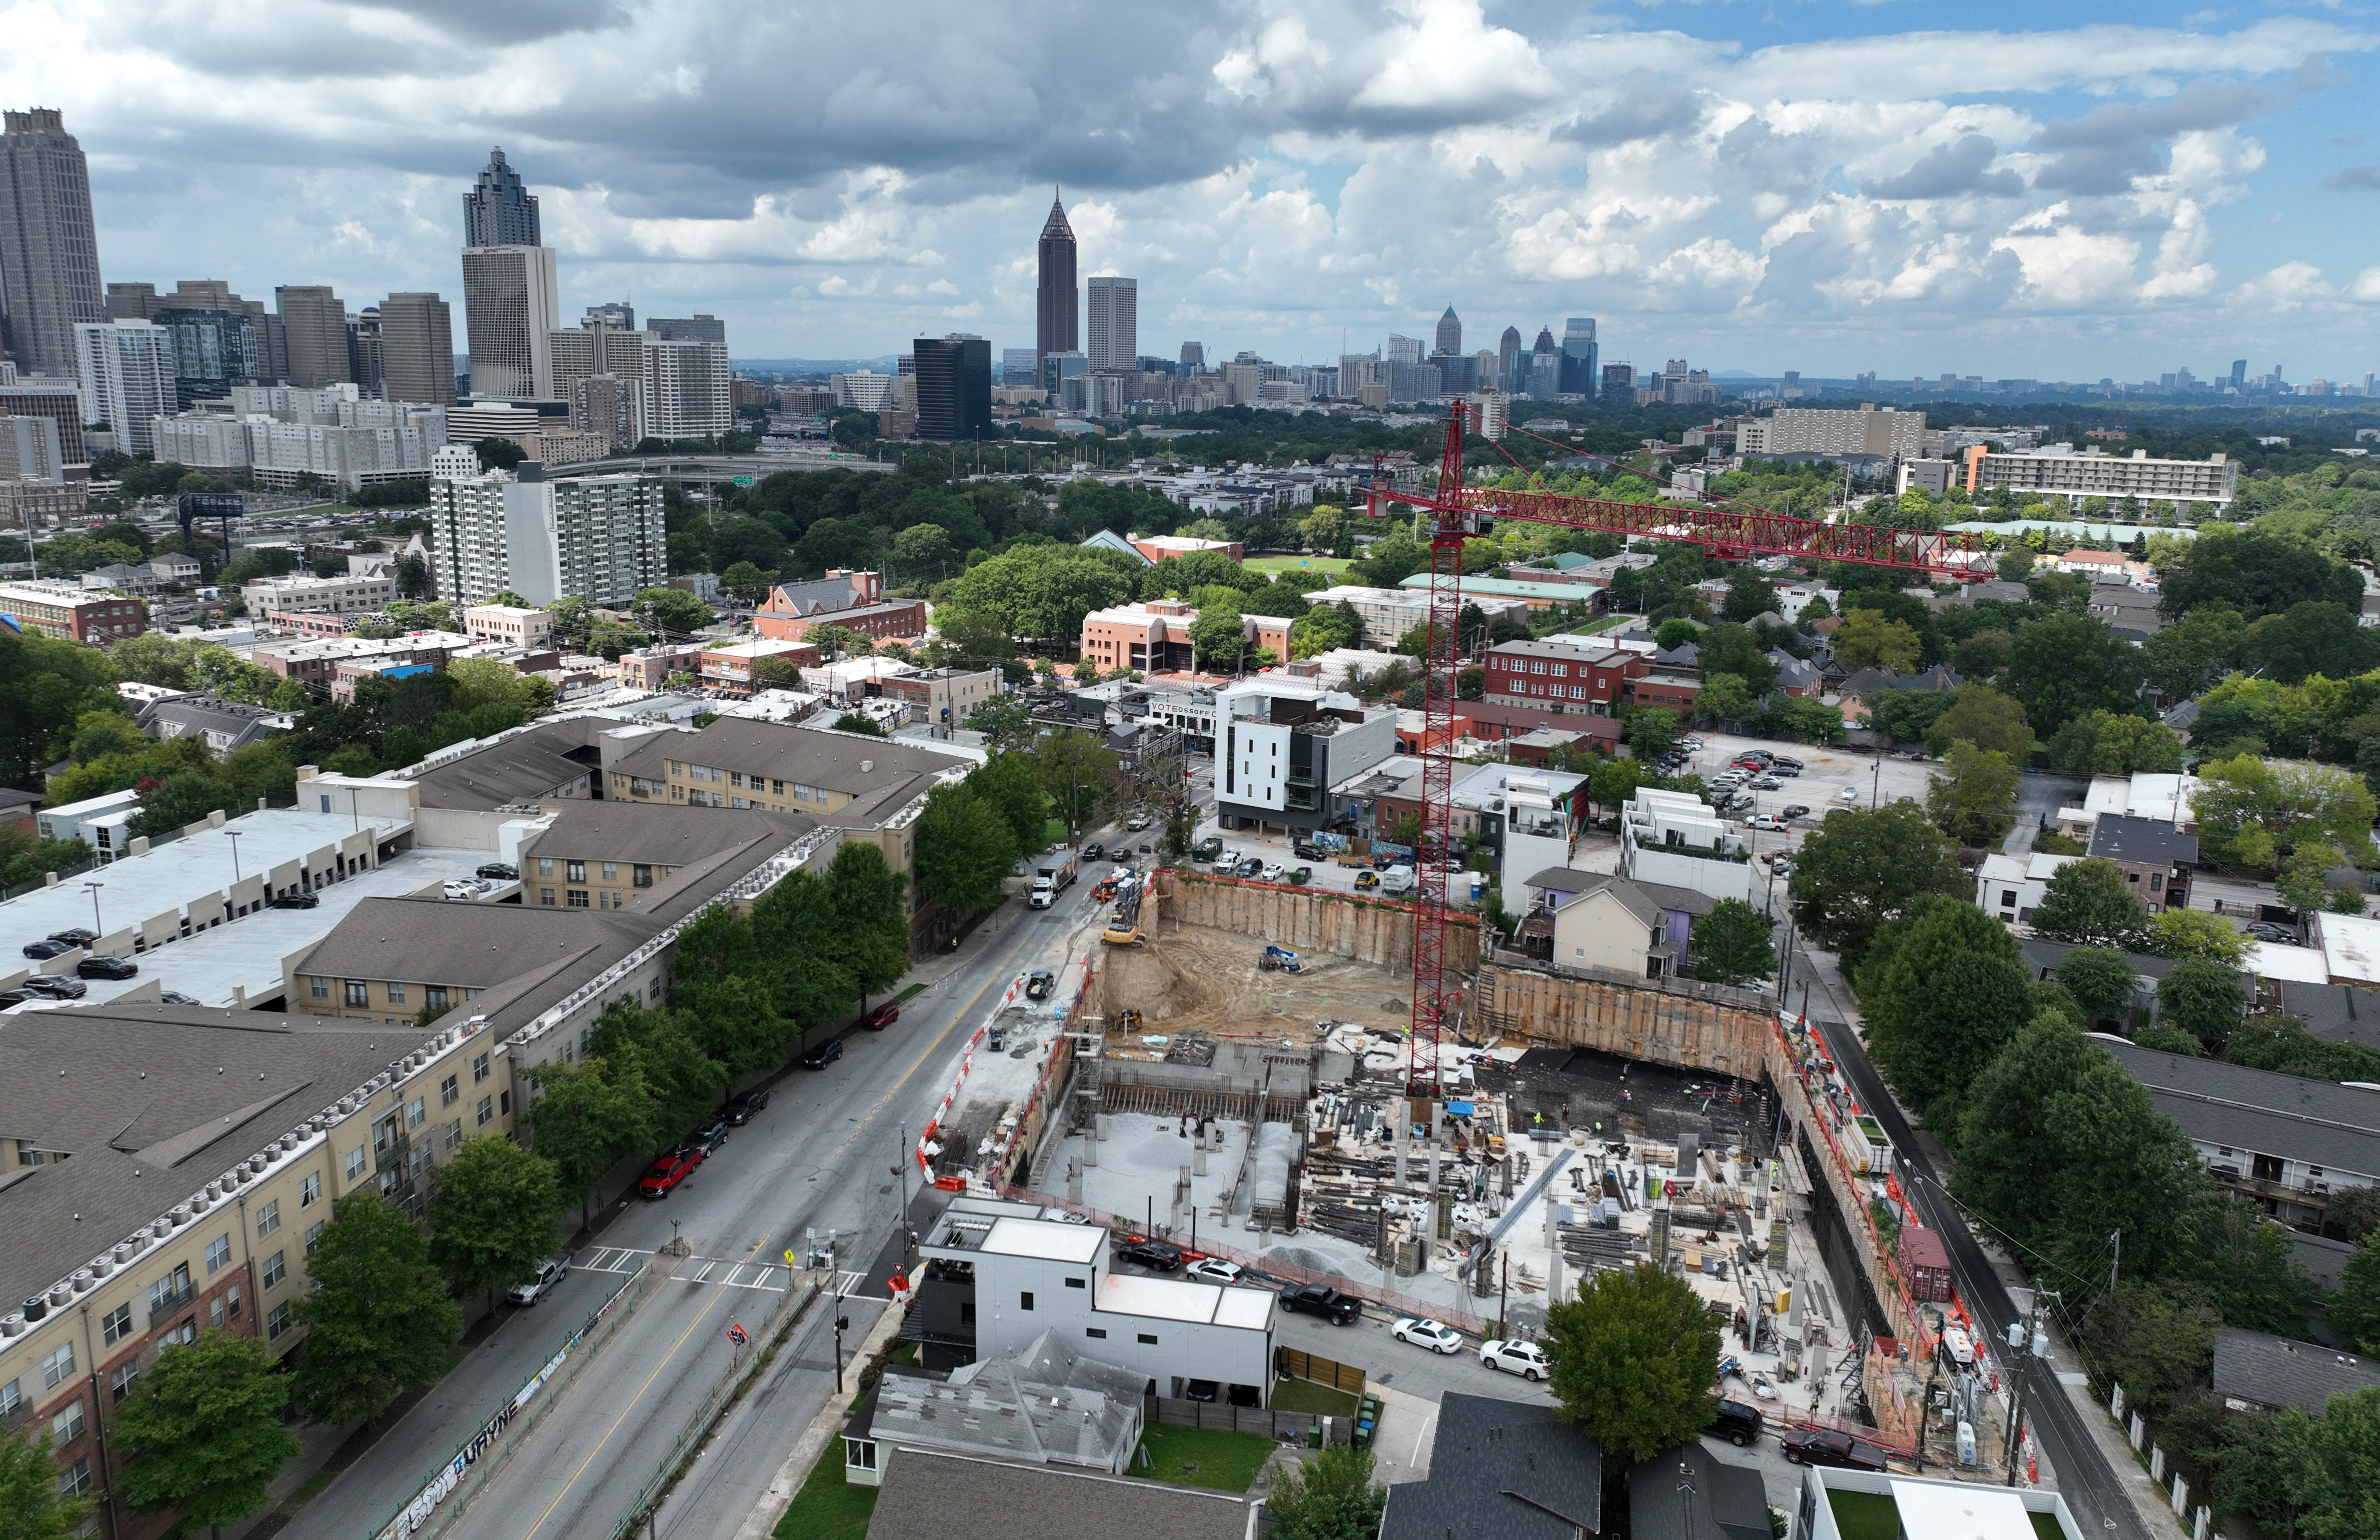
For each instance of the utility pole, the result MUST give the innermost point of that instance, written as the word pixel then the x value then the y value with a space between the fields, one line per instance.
pixel 2115 1266
pixel 2020 1353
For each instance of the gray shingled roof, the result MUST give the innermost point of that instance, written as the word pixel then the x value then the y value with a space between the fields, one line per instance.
pixel 523 768
pixel 815 757
pixel 2274 1371
pixel 150 1102
pixel 2318 1121
pixel 2145 842
pixel 1507 1469
pixel 2339 1012
pixel 929 1495
pixel 2323 1258
pixel 1570 880
pixel 658 833
pixel 1688 1493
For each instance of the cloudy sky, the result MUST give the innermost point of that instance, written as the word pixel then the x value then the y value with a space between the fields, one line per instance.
pixel 2017 188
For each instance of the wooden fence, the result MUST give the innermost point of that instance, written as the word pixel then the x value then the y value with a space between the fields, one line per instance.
pixel 1292 1364
pixel 1305 1427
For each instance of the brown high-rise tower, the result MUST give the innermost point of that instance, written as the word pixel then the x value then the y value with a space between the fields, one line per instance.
pixel 1058 302
pixel 49 254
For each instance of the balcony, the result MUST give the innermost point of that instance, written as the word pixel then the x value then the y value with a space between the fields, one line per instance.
pixel 162 1310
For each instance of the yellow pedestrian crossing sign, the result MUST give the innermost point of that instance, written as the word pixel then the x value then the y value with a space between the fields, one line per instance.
pixel 789 1258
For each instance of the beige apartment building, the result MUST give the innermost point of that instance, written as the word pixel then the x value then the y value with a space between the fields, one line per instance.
pixel 602 855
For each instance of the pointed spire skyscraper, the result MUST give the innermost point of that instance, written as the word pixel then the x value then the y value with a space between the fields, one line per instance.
pixel 1057 300
pixel 500 209
pixel 1449 331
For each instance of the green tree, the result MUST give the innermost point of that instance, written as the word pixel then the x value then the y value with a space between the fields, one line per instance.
pixel 853 721
pixel 586 1118
pixel 2180 933
pixel 670 613
pixel 2016 566
pixel 2068 665
pixel 1632 1360
pixel 2101 980
pixel 2186 658
pixel 2355 1313
pixel 1676 633
pixel 2334 1467
pixel 1042 592
pixel 2089 902
pixel 45 687
pixel 2243 1263
pixel 1983 655
pixel 2252 573
pixel 1941 1001
pixel 2301 880
pixel 1324 628
pixel 1078 770
pixel 837 641
pixel 1722 698
pixel 2256 812
pixel 965 847
pixel 31 1507
pixel 2107 743
pixel 2202 999
pixel 1867 640
pixel 1984 718
pixel 1735 650
pixel 870 940
pixel 1005 722
pixel 1748 595
pixel 1008 783
pixel 202 1430
pixel 1730 944
pixel 1652 732
pixel 1330 1497
pixel 1973 800
pixel 493 1216
pixel 2156 1339
pixel 378 1321
pixel 1218 637
pixel 1862 867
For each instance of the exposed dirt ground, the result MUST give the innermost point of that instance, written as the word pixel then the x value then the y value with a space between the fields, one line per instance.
pixel 1197 979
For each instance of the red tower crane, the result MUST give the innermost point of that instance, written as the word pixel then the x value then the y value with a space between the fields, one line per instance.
pixel 1456 513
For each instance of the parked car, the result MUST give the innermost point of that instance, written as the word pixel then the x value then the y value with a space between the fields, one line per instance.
pixel 41 952
pixel 1848 794
pixel 176 997
pixel 1038 986
pixel 1776 759
pixel 1250 866
pixel 1797 811
pixel 1366 881
pixel 710 1138
pixel 2263 930
pixel 824 1054
pixel 739 1109
pixel 882 1016
pixel 462 890
pixel 1213 1269
pixel 668 1171
pixel 1824 1446
pixel 1767 821
pixel 1150 1252
pixel 1305 850
pixel 1273 873
pixel 498 871
pixel 1138 823
pixel 1062 1215
pixel 1782 768
pixel 1524 1359
pixel 57 986
pixel 1095 852
pixel 1303 874
pixel 1314 1299
pixel 106 967
pixel 551 1271
pixel 1738 1423
pixel 1765 784
pixel 296 900
pixel 18 996
pixel 1437 1336
pixel 74 936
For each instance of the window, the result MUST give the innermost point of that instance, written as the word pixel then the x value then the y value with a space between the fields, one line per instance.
pixel 231 1297
pixel 487 1110
pixel 1150 1337
pixel 545 865
pixel 434 996
pixel 545 897
pixel 57 1365
pixel 68 1424
pixel 454 1133
pixel 355 1162
pixel 276 1320
pixel 1025 1300
pixel 275 1268
pixel 116 1324
pixel 166 1289
pixel 314 1237
pixel 1098 1331
pixel 576 871
pixel 579 898
pixel 447 1091
pixel 120 1382
pixel 219 1252
pixel 74 1480
pixel 780 787
pixel 396 994
pixel 310 1191
pixel 359 994
pixel 268 1218
pixel 416 1112
pixel 735 778
pixel 610 871
pixel 641 876
pixel 479 1067
pixel 1075 1284
pixel 320 988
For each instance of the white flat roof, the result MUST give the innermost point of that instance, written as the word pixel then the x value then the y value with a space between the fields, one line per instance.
pixel 1043 1238
pixel 2289 965
pixel 2350 948
pixel 1245 1307
pixel 1166 1298
pixel 1958 1510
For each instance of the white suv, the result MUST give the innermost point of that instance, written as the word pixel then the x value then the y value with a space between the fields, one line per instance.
pixel 1525 1359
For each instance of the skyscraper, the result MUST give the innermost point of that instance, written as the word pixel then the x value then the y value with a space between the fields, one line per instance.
pixel 618 312
pixel 510 306
pixel 1578 366
pixel 1449 332
pixel 363 351
pixel 1506 350
pixel 316 324
pixel 49 253
pixel 126 376
pixel 416 350
pixel 1016 366
pixel 1057 302
pixel 1114 324
pixel 500 211
pixel 954 384
pixel 695 328
pixel 1194 358
pixel 686 389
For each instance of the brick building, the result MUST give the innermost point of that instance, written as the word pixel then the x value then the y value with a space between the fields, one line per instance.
pixel 72 612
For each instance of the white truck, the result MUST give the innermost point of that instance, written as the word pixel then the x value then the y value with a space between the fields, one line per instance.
pixel 1052 874
pixel 1396 881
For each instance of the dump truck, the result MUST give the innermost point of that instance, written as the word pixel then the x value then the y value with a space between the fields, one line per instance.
pixel 1052 874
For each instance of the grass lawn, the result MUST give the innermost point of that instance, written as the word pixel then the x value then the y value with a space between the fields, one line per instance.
pixel 1864 1515
pixel 1201 1456
pixel 1053 831
pixel 826 1508
pixel 1304 1395
pixel 1298 563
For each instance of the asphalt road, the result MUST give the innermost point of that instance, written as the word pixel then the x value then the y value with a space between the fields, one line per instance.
pixel 2083 1478
pixel 821 1157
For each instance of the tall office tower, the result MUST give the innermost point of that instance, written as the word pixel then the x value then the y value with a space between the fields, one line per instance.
pixel 49 253
pixel 363 352
pixel 1114 328
pixel 1194 358
pixel 61 403
pixel 1484 370
pixel 1507 350
pixel 316 322
pixel 1449 332
pixel 593 348
pixel 610 407
pixel 1059 368
pixel 686 390
pixel 220 340
pixel 695 328
pixel 1619 383
pixel 1057 302
pixel 953 383
pixel 1402 350
pixel 131 301
pixel 1016 366
pixel 599 536
pixel 126 378
pixel 1544 365
pixel 2239 374
pixel 619 313
pixel 510 308
pixel 416 350
pixel 500 211
pixel 1578 366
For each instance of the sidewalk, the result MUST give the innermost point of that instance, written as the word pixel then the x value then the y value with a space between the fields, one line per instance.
pixel 762 1520
pixel 2152 1502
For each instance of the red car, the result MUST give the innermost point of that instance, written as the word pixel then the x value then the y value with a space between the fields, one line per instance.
pixel 668 1171
pixel 881 1017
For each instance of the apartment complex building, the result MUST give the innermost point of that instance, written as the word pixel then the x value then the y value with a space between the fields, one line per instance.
pixel 1153 634
pixel 1283 745
pixel 509 622
pixel 304 594
pixel 602 854
pixel 72 612
pixel 1560 677
pixel 850 599
pixel 1881 432
pixel 2056 470
pixel 599 537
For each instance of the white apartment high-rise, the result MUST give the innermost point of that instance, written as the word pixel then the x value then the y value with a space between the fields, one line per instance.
pixel 599 536
pixel 49 251
pixel 511 308
pixel 126 377
pixel 687 392
pixel 1114 324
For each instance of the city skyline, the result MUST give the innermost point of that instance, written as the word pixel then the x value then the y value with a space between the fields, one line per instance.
pixel 2006 195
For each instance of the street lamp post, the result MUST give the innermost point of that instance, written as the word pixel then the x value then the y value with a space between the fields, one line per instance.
pixel 233 834
pixel 93 888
